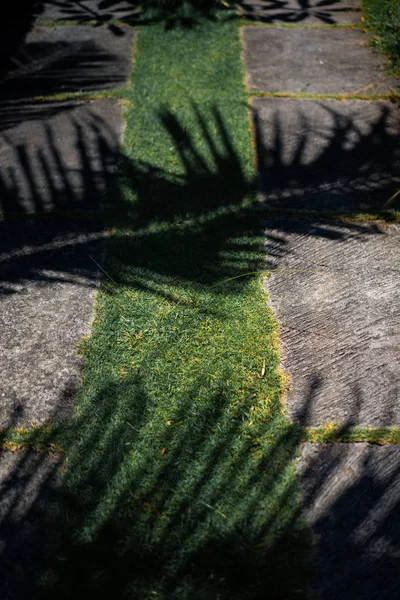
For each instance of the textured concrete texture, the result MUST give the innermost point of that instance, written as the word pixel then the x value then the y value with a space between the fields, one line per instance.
pixel 334 287
pixel 330 155
pixel 315 61
pixel 302 12
pixel 57 155
pixel 86 10
pixel 351 497
pixel 56 60
pixel 28 484
pixel 48 278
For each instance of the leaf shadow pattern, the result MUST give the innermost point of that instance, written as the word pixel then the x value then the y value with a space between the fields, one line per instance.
pixel 350 496
pixel 196 501
pixel 324 12
pixel 173 13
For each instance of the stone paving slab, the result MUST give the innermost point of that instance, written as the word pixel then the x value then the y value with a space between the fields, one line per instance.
pixel 314 61
pixel 57 155
pixel 331 155
pixel 351 497
pixel 334 287
pixel 28 484
pixel 304 12
pixel 57 60
pixel 48 280
pixel 51 161
pixel 87 10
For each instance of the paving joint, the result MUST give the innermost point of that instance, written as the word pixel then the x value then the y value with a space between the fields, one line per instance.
pixel 246 23
pixel 392 97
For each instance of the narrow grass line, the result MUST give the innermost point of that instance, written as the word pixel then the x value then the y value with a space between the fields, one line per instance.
pixel 391 97
pixel 118 93
pixel 335 433
pixel 390 216
pixel 40 438
pixel 248 23
pixel 81 23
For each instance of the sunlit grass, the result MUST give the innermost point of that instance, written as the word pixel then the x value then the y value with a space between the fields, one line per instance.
pixel 180 474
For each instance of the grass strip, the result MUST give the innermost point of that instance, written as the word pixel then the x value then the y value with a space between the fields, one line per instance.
pixel 382 18
pixel 180 479
pixel 333 432
pixel 254 23
pixel 392 97
pixel 40 438
pixel 389 215
pixel 99 95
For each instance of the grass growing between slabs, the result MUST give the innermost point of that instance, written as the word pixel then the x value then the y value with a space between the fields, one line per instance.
pixel 382 18
pixel 179 480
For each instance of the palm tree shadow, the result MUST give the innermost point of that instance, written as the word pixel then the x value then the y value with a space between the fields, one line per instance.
pixel 127 508
pixel 324 12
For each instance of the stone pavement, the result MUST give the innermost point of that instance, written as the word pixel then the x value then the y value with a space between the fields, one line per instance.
pixel 57 157
pixel 334 278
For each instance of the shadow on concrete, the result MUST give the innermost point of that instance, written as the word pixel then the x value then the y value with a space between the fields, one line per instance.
pixel 89 11
pixel 208 517
pixel 350 496
pixel 327 156
pixel 324 12
pixel 61 161
pixel 79 535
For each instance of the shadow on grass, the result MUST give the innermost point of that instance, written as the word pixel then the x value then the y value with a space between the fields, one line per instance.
pixel 173 487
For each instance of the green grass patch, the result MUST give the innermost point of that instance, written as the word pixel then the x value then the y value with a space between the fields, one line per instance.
pixel 382 18
pixel 43 438
pixel 332 432
pixel 180 475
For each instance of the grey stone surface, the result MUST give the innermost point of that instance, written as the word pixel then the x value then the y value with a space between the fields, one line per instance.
pixel 334 156
pixel 334 287
pixel 28 484
pixel 307 12
pixel 48 278
pixel 315 61
pixel 57 155
pixel 56 60
pixel 60 157
pixel 351 497
pixel 87 10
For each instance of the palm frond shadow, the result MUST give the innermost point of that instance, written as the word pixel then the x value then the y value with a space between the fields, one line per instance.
pixel 325 12
pixel 350 498
pixel 196 505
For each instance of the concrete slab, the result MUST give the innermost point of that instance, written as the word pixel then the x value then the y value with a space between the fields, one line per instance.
pixel 351 498
pixel 57 60
pixel 48 280
pixel 87 10
pixel 58 158
pixel 28 484
pixel 333 156
pixel 334 287
pixel 314 61
pixel 307 12
pixel 57 155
